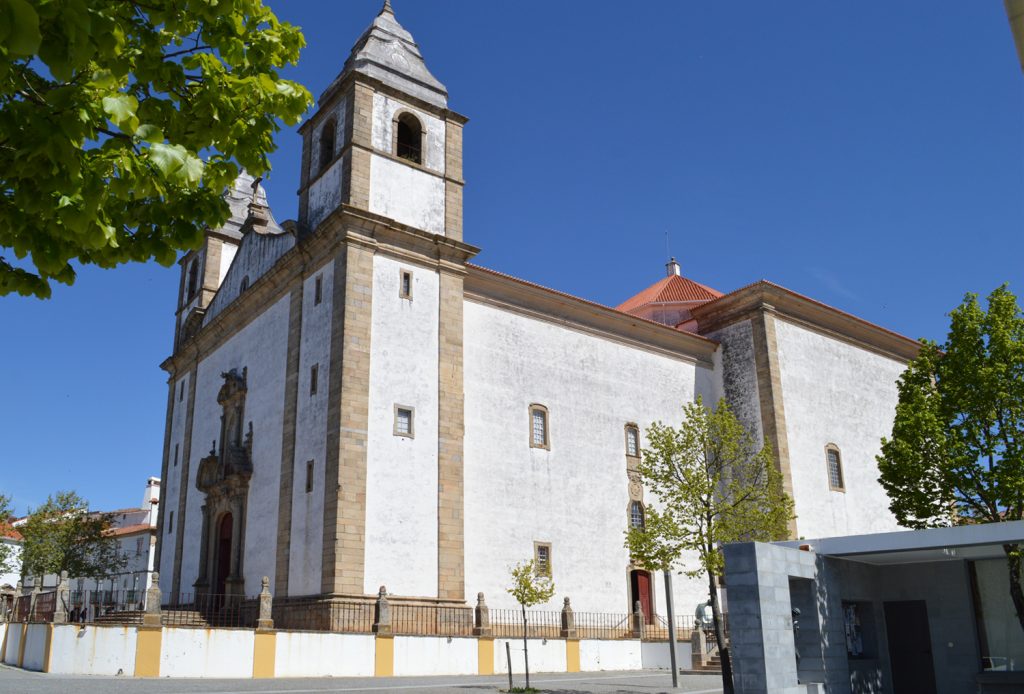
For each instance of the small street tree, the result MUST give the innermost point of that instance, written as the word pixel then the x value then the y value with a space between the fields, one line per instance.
pixel 530 587
pixel 7 563
pixel 714 484
pixel 956 456
pixel 63 535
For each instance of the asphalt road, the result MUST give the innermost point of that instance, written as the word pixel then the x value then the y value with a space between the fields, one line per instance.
pixel 15 681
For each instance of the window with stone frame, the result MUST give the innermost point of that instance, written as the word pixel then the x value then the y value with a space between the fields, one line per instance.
pixel 309 476
pixel 314 374
pixel 542 557
pixel 409 138
pixel 539 427
pixel 404 425
pixel 326 144
pixel 632 441
pixel 405 284
pixel 636 515
pixel 835 468
pixel 193 281
pixel 318 290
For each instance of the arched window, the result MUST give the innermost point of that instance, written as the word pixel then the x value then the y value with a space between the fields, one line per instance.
pixel 245 284
pixel 835 468
pixel 193 280
pixel 636 515
pixel 409 138
pixel 326 144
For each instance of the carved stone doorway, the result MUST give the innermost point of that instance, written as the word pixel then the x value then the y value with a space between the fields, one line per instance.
pixel 641 591
pixel 223 550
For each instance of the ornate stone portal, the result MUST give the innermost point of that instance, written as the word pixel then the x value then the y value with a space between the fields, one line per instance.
pixel 223 478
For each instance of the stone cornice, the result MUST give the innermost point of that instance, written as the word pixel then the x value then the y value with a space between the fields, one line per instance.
pixel 347 224
pixel 495 288
pixel 814 315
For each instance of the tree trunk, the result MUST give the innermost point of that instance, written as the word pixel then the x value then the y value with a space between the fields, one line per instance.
pixel 526 655
pixel 723 648
pixel 1013 559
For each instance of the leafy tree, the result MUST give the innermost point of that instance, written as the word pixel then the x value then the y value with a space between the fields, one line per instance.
pixel 714 484
pixel 63 535
pixel 122 121
pixel 530 586
pixel 956 456
pixel 7 563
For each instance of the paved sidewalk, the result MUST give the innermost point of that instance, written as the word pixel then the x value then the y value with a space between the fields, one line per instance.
pixel 15 681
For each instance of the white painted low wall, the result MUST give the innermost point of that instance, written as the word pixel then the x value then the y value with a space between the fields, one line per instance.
pixel 13 643
pixel 432 655
pixel 35 647
pixel 546 655
pixel 610 655
pixel 206 653
pixel 655 655
pixel 92 650
pixel 316 654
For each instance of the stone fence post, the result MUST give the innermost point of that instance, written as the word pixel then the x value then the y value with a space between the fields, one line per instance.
pixel 266 620
pixel 698 646
pixel 481 617
pixel 61 600
pixel 33 600
pixel 152 616
pixel 637 620
pixel 568 621
pixel 382 614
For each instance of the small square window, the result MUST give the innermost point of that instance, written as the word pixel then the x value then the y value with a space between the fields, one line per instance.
pixel 318 290
pixel 542 558
pixel 405 285
pixel 314 372
pixel 404 421
pixel 632 441
pixel 309 476
pixel 539 427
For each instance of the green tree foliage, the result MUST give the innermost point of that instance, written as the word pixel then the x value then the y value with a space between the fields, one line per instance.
pixel 7 563
pixel 530 587
pixel 121 123
pixel 956 455
pixel 63 535
pixel 714 484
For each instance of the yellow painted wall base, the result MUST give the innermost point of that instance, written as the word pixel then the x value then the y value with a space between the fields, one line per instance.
pixel 46 648
pixel 384 660
pixel 147 651
pixel 21 644
pixel 3 646
pixel 572 656
pixel 485 656
pixel 264 652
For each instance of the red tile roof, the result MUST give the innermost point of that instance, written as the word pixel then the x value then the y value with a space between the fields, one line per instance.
pixel 8 532
pixel 671 289
pixel 131 529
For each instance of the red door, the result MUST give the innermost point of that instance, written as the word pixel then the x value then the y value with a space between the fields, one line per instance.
pixel 643 590
pixel 223 552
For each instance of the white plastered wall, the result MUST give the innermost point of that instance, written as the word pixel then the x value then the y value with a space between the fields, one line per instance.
pixel 839 393
pixel 401 474
pixel 306 547
pixel 323 654
pixel 574 496
pixel 93 650
pixel 170 492
pixel 227 254
pixel 405 192
pixel 324 193
pixel 426 655
pixel 206 653
pixel 261 347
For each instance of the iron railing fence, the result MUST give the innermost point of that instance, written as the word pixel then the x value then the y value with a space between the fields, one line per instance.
pixel 344 616
pixel 431 620
pixel 657 628
pixel 548 624
pixel 211 610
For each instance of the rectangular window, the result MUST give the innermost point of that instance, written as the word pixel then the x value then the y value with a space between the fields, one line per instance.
pixel 314 372
pixel 542 557
pixel 309 476
pixel 138 546
pixel 632 441
pixel 835 469
pixel 318 290
pixel 170 524
pixel 403 421
pixel 181 391
pixel 175 455
pixel 405 287
pixel 538 426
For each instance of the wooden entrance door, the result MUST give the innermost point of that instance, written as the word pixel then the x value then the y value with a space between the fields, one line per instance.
pixel 224 530
pixel 641 591
pixel 910 647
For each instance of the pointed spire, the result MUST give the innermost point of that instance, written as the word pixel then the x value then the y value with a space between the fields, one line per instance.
pixel 387 8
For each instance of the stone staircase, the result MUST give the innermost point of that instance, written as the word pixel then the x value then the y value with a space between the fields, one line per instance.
pixel 712 664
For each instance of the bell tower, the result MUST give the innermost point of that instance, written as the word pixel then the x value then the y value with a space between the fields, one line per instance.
pixel 383 139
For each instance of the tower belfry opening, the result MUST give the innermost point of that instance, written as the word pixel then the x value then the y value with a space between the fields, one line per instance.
pixel 409 144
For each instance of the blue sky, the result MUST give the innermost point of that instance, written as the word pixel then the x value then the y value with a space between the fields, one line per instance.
pixel 869 155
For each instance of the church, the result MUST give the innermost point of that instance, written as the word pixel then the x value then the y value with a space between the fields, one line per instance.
pixel 353 403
